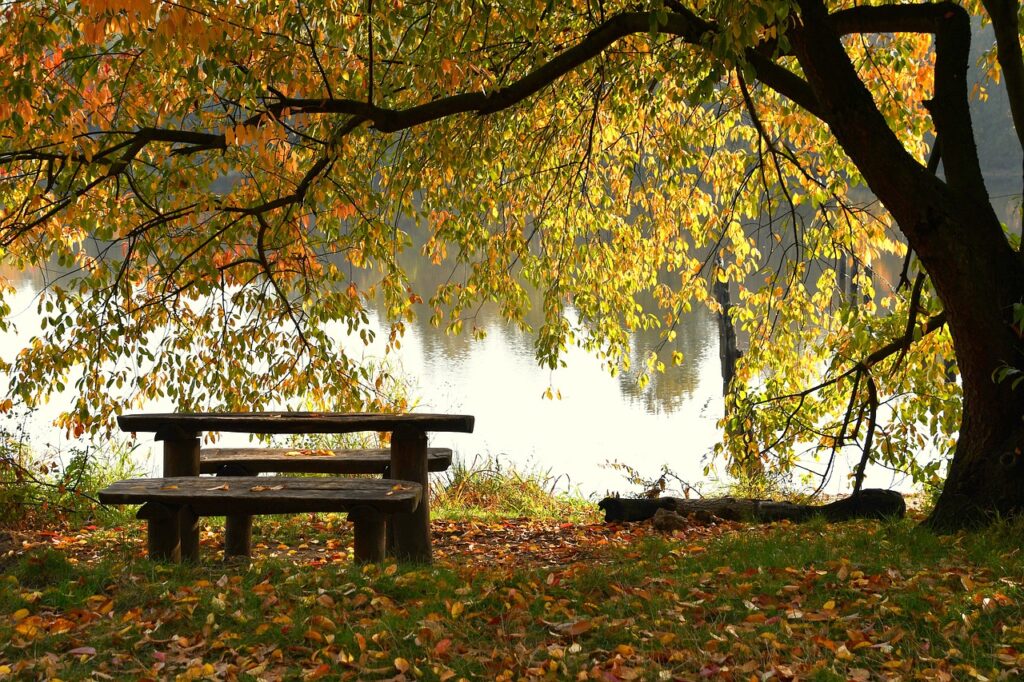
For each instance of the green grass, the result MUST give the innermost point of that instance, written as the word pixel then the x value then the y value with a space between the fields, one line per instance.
pixel 488 489
pixel 823 602
pixel 816 601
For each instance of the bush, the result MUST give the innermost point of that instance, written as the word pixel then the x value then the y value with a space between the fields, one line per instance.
pixel 49 486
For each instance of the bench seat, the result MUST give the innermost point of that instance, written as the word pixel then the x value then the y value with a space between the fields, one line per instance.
pixel 309 461
pixel 367 501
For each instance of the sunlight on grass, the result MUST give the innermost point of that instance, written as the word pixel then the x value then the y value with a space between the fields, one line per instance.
pixel 527 599
pixel 487 488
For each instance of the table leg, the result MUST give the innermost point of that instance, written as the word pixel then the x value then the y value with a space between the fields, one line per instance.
pixel 181 458
pixel 411 532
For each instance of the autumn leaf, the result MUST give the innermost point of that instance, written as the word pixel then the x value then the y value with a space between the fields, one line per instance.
pixel 572 628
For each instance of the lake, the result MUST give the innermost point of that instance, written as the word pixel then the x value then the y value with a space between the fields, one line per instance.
pixel 598 419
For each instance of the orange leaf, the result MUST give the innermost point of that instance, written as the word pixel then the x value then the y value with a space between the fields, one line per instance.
pixel 441 648
pixel 573 628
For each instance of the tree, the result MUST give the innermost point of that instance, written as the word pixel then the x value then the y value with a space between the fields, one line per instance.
pixel 237 174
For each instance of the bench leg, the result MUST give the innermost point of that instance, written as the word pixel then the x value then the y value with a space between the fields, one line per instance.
pixel 369 534
pixel 409 463
pixel 163 538
pixel 237 527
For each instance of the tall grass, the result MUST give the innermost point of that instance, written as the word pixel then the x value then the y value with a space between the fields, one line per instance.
pixel 486 487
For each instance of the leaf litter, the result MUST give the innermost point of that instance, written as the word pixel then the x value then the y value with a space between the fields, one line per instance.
pixel 522 599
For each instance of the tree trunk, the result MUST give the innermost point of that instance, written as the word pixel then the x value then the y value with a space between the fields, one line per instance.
pixel 727 351
pixel 950 225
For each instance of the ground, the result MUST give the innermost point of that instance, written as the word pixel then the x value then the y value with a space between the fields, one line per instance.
pixel 523 599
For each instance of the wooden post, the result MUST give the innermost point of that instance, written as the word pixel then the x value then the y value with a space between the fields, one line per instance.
pixel 181 458
pixel 162 534
pixel 411 531
pixel 369 534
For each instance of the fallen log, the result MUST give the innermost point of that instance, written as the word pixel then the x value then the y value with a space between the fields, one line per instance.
pixel 872 503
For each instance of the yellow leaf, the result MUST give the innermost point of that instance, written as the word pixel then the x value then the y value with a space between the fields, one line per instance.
pixel 457 608
pixel 402 665
pixel 829 605
pixel 20 614
pixel 28 627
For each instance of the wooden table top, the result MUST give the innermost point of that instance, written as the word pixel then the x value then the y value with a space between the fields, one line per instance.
pixel 293 422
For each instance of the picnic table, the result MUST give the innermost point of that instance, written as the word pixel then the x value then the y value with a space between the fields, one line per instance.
pixel 180 434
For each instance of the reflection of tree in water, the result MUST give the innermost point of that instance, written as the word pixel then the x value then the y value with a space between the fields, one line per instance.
pixel 425 278
pixel 669 390
pixel 666 391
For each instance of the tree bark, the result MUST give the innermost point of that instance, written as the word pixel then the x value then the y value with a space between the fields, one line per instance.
pixel 727 350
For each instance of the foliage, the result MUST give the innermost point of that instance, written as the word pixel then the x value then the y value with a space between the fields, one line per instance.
pixel 47 487
pixel 529 600
pixel 221 242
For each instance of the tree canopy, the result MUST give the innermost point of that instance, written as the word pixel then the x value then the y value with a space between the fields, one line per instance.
pixel 228 186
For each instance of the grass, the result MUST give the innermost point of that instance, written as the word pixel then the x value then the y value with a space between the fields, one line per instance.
pixel 527 584
pixel 485 488
pixel 528 599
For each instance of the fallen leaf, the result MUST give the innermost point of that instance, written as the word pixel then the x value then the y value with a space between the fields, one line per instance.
pixel 572 628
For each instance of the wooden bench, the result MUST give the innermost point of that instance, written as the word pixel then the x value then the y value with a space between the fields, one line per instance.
pixel 252 461
pixel 166 500
pixel 180 434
